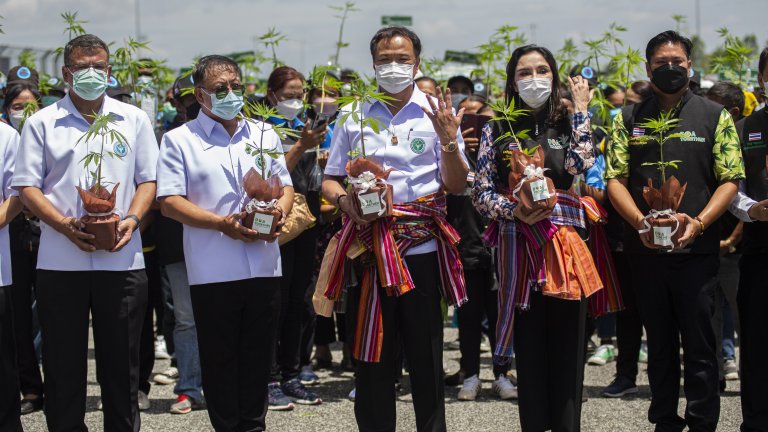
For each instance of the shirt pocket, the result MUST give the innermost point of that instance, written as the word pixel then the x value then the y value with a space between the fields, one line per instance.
pixel 421 147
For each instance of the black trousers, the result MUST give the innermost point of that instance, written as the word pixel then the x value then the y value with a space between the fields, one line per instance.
pixel 9 380
pixel 235 335
pixel 549 354
pixel 483 302
pixel 328 328
pixel 415 320
pixel 676 297
pixel 116 302
pixel 24 263
pixel 629 327
pixel 154 304
pixel 297 257
pixel 753 302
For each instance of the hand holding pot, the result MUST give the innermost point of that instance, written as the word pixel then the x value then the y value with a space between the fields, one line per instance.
pixel 72 228
pixel 124 233
pixel 231 226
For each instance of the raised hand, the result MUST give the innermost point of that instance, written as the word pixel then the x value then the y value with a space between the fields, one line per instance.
pixel 441 115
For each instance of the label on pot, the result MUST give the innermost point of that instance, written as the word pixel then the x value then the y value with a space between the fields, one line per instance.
pixel 662 236
pixel 262 223
pixel 370 203
pixel 539 190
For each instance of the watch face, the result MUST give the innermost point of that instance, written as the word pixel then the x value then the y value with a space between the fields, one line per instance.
pixel 451 146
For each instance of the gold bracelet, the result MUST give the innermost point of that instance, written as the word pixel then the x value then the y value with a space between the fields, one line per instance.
pixel 701 225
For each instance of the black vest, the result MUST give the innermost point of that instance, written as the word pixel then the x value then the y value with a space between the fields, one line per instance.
pixel 699 117
pixel 553 139
pixel 753 131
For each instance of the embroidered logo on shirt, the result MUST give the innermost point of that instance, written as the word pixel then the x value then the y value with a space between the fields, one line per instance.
pixel 638 132
pixel 418 145
pixel 120 149
pixel 259 161
pixel 755 136
pixel 559 143
pixel 691 137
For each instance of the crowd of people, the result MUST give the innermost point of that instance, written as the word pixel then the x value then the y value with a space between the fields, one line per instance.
pixel 272 225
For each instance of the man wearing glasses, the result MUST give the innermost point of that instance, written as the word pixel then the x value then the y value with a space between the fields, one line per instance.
pixel 73 279
pixel 234 278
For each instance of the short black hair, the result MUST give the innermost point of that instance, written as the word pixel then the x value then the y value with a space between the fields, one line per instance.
pixel 728 94
pixel 392 32
pixel 667 37
pixel 463 79
pixel 14 90
pixel 763 62
pixel 206 64
pixel 87 42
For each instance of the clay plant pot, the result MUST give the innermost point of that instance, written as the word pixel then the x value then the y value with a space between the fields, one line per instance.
pixel 376 202
pixel 668 197
pixel 104 228
pixel 98 200
pixel 263 221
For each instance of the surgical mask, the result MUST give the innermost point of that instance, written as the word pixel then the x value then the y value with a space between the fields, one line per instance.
pixel 456 99
pixel 614 111
pixel 227 108
pixel 329 106
pixel 290 108
pixel 394 77
pixel 534 91
pixel 16 117
pixel 670 78
pixel 169 112
pixel 89 83
pixel 144 81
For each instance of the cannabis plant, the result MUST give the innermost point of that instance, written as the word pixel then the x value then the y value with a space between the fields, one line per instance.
pixel 102 129
pixel 343 13
pixel 261 111
pixel 362 93
pixel 660 128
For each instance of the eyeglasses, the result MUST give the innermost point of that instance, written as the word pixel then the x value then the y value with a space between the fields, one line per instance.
pixel 79 67
pixel 222 91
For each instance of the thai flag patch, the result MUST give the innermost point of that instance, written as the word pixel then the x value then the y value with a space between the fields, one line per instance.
pixel 471 177
pixel 638 132
pixel 755 136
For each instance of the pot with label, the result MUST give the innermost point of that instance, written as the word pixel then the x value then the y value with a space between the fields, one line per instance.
pixel 530 187
pixel 262 214
pixel 369 189
pixel 101 220
pixel 663 220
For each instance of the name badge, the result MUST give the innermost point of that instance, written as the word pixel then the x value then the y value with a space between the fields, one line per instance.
pixel 262 223
pixel 662 236
pixel 370 203
pixel 539 190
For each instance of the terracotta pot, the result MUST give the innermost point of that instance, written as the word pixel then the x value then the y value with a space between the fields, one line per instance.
pixel 371 209
pixel 263 224
pixel 104 228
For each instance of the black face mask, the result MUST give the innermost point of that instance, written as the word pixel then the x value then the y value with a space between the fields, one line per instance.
pixel 670 78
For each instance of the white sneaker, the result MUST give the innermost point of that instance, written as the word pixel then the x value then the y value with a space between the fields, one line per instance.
pixel 352 394
pixel 603 354
pixel 168 376
pixel 504 388
pixel 161 351
pixel 470 388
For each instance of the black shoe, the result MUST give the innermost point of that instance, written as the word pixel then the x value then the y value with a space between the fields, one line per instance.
pixel 455 379
pixel 621 386
pixel 28 406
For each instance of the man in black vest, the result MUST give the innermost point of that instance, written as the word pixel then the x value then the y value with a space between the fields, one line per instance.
pixel 753 292
pixel 676 291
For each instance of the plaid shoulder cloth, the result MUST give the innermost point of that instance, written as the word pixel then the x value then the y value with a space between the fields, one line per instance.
pixel 549 257
pixel 389 239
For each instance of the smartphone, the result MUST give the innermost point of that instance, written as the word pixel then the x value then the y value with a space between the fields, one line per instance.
pixel 319 121
pixel 475 121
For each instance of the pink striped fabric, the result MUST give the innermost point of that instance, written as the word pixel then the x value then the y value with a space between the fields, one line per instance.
pixel 607 300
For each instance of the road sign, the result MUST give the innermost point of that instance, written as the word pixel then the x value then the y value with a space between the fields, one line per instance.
pixel 396 20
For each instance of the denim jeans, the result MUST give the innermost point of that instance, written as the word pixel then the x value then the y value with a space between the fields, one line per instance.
pixel 190 380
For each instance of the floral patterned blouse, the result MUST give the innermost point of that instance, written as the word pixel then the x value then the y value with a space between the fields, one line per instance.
pixel 486 195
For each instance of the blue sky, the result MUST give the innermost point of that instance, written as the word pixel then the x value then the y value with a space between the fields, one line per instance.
pixel 179 30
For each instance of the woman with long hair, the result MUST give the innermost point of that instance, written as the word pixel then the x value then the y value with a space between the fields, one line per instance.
pixel 545 269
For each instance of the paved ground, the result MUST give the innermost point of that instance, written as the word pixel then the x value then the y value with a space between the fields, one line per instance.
pixel 336 413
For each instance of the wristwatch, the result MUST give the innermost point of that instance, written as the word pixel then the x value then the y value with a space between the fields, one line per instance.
pixel 450 147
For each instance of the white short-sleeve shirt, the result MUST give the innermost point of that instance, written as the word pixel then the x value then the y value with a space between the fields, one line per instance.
pixel 50 158
pixel 9 144
pixel 201 162
pixel 415 157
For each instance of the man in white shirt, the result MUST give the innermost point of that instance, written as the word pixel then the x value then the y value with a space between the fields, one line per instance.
pixel 10 206
pixel 75 281
pixel 420 140
pixel 234 278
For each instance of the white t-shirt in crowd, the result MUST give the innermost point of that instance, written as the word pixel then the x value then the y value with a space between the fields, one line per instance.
pixel 415 157
pixel 9 144
pixel 201 162
pixel 50 158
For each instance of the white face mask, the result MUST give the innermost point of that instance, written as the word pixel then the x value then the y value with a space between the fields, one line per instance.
pixel 290 108
pixel 534 91
pixel 16 117
pixel 394 77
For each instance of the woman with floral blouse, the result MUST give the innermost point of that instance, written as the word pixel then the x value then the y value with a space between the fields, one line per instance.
pixel 545 270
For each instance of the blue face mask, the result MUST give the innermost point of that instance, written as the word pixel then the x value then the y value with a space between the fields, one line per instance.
pixel 89 83
pixel 227 108
pixel 614 112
